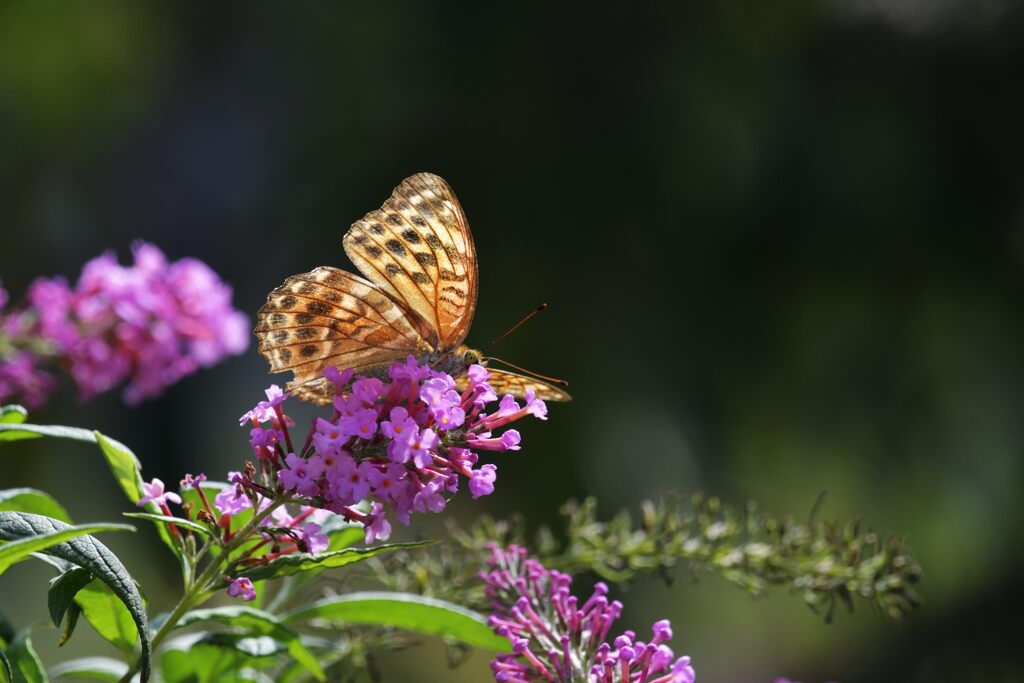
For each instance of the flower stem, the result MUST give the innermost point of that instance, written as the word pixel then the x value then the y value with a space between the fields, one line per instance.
pixel 199 591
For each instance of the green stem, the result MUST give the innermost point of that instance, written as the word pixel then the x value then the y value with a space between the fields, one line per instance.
pixel 198 593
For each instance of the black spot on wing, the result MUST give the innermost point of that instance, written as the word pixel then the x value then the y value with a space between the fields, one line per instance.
pixel 319 308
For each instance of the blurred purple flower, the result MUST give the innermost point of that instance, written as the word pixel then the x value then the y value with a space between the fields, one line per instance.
pixel 146 325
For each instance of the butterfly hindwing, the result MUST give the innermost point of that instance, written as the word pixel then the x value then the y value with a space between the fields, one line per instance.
pixel 418 249
pixel 504 382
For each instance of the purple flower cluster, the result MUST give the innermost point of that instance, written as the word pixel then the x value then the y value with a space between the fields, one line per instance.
pixel 402 445
pixel 20 374
pixel 555 638
pixel 148 324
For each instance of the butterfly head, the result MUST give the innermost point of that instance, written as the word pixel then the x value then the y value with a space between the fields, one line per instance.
pixel 472 357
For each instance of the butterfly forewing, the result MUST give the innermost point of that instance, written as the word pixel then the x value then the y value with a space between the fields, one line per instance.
pixel 418 249
pixel 328 317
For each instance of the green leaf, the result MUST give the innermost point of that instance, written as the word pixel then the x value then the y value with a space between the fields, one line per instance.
pixel 210 487
pixel 18 548
pixel 302 562
pixel 345 538
pixel 13 414
pixel 25 664
pixel 123 465
pixel 165 519
pixel 213 657
pixel 405 611
pixel 63 590
pixel 6 632
pixel 91 668
pixel 15 431
pixel 340 535
pixel 255 621
pixel 74 611
pixel 108 615
pixel 6 672
pixel 122 462
pixel 89 553
pixel 128 472
pixel 32 500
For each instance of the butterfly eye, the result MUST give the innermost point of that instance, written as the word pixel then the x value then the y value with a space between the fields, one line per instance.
pixel 471 356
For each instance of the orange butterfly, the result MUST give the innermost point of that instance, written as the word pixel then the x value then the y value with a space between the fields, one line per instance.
pixel 418 298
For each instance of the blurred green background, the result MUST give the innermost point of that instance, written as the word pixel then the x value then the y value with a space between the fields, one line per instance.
pixel 783 245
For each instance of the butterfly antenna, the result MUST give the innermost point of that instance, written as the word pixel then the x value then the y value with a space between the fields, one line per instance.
pixel 553 380
pixel 516 326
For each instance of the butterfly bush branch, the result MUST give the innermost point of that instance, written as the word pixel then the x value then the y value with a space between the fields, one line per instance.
pixel 827 563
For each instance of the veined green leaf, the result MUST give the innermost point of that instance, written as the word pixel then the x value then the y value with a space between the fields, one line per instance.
pixel 18 548
pixel 87 552
pixel 406 611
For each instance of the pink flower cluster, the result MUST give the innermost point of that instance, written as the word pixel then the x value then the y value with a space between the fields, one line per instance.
pixel 555 638
pixel 20 374
pixel 402 445
pixel 148 324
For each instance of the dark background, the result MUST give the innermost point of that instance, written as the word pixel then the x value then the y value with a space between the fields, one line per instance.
pixel 783 245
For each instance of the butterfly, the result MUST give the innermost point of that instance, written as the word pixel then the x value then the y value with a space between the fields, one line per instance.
pixel 417 298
